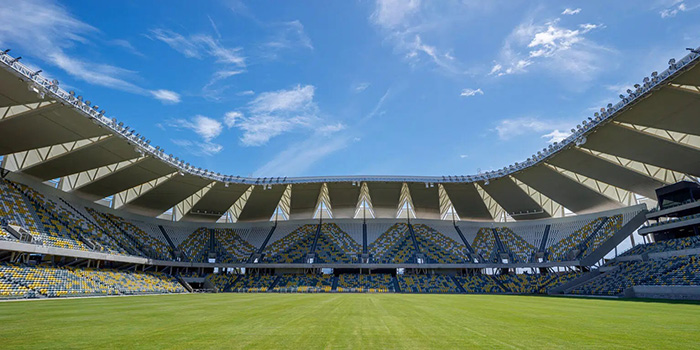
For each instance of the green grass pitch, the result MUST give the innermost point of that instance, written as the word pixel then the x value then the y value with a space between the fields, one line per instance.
pixel 347 321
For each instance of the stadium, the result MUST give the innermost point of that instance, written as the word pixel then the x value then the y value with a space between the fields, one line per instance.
pixel 554 251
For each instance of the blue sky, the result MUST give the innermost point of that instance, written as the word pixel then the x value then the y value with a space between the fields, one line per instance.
pixel 383 87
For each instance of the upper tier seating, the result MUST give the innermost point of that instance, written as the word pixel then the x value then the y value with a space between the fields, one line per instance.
pixel 153 247
pixel 196 245
pixel 394 246
pixel 522 250
pixel 336 246
pixel 485 244
pixel 291 248
pixel 231 247
pixel 439 248
pixel 561 250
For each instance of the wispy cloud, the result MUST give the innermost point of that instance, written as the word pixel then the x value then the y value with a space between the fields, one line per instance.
pixel 391 14
pixel 47 30
pixel 290 35
pixel 271 114
pixel 404 26
pixel 549 129
pixel 199 46
pixel 245 93
pixel 205 127
pixel 570 12
pixel 166 96
pixel 553 47
pixel 677 7
pixel 377 110
pixel 359 87
pixel 298 158
pixel 471 92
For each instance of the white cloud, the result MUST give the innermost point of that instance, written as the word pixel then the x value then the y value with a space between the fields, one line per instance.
pixel 47 30
pixel 360 87
pixel 569 11
pixel 200 45
pixel 552 47
pixel 295 99
pixel 464 156
pixel 205 127
pixel 230 118
pixel 676 8
pixel 330 129
pixel 297 159
pixel 289 36
pixel 405 25
pixel 509 128
pixel 555 136
pixel 199 148
pixel 246 93
pixel 392 13
pixel 271 114
pixel 166 96
pixel 471 92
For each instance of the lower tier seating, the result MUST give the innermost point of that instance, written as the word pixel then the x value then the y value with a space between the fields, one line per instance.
pixel 20 280
pixel 673 271
pixel 427 284
pixel 373 283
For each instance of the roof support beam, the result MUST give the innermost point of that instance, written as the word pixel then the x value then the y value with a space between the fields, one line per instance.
pixel 497 212
pixel 124 197
pixel 26 159
pixel 658 173
pixel 552 208
pixel 615 193
pixel 74 181
pixel 688 140
pixel 405 208
pixel 181 209
pixel 284 205
pixel 235 210
pixel 364 207
pixel 447 210
pixel 15 111
pixel 323 204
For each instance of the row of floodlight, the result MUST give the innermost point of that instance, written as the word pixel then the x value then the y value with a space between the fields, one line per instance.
pixel 42 86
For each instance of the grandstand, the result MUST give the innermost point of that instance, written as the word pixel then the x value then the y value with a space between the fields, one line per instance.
pixel 159 225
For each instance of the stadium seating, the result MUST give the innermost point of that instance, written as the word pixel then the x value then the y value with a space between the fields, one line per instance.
pixel 439 248
pixel 149 245
pixel 292 248
pixel 427 284
pixel 680 270
pixel 373 283
pixel 664 246
pixel 231 247
pixel 485 244
pixel 606 232
pixel 521 249
pixel 252 283
pixel 18 280
pixel 196 245
pixel 562 249
pixel 336 246
pixel 304 283
pixel 394 246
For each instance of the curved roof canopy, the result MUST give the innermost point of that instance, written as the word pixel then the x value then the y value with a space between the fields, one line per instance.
pixel 649 139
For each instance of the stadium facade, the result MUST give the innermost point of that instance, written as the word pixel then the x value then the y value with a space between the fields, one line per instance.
pixel 89 206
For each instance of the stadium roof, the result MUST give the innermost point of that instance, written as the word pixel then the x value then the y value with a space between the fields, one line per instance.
pixel 649 139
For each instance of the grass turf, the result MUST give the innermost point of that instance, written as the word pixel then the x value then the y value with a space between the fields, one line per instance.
pixel 346 321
